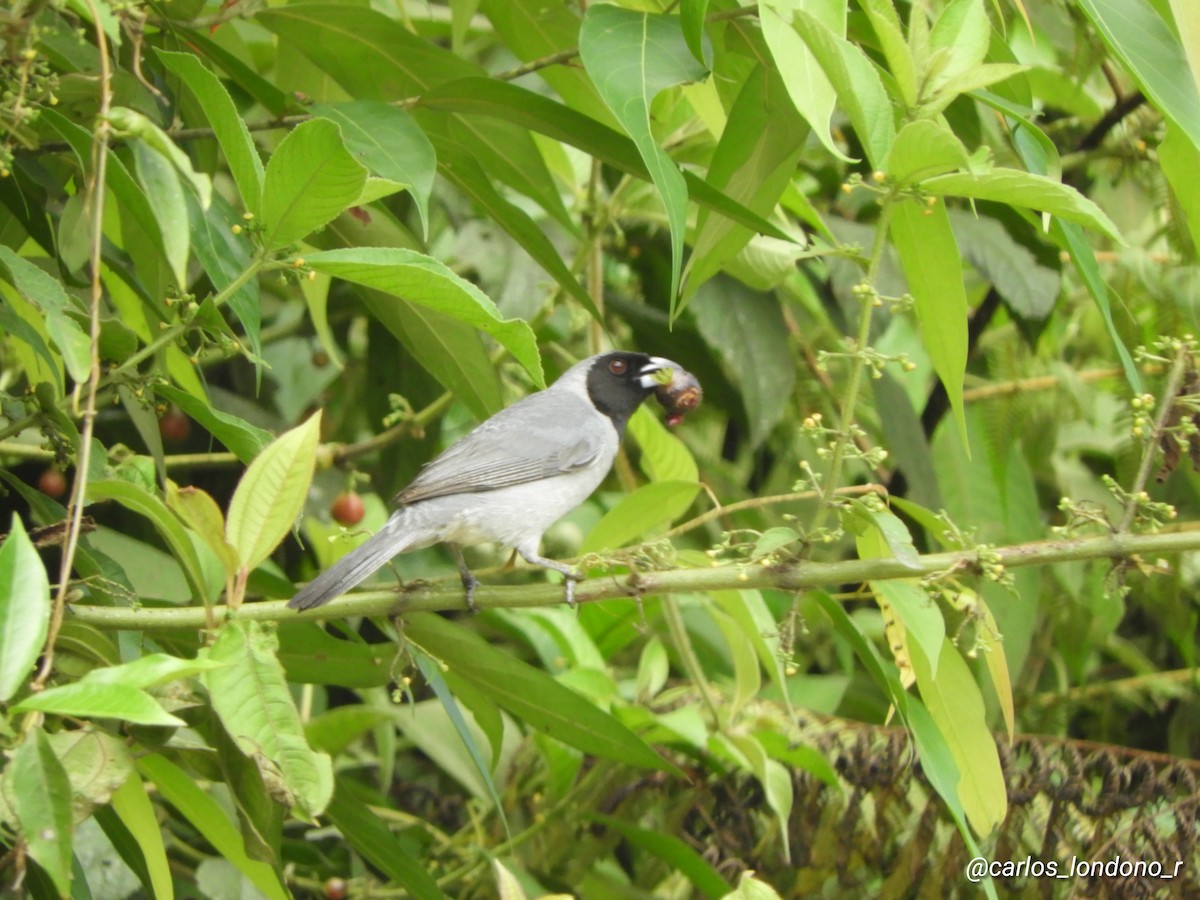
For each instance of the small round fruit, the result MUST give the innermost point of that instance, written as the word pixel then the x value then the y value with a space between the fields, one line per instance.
pixel 347 509
pixel 52 483
pixel 336 888
pixel 175 426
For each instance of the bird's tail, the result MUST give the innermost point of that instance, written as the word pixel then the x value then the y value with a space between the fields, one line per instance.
pixel 394 537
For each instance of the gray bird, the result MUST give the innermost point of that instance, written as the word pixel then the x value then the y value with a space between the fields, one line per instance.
pixel 517 473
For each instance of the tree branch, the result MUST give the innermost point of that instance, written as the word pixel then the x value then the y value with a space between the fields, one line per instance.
pixel 789 577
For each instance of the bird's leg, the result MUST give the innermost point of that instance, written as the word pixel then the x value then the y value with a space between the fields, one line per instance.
pixel 469 581
pixel 569 574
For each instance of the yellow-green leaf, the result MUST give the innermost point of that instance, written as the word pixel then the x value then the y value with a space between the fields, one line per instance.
pixel 271 493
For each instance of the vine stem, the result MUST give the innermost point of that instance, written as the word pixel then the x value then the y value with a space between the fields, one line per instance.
pixel 1174 383
pixel 854 384
pixel 790 577
pixel 95 200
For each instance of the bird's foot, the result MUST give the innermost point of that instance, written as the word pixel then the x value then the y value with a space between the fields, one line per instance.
pixel 569 588
pixel 470 583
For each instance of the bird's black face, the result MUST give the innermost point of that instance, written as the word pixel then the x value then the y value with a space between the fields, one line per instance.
pixel 618 382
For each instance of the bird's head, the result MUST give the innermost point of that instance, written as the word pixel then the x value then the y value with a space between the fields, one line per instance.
pixel 618 381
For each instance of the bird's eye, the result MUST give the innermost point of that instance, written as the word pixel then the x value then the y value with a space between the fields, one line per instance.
pixel 618 366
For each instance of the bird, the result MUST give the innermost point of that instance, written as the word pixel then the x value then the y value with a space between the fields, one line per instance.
pixel 518 472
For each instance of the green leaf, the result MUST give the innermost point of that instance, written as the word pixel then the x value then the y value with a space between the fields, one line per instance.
pixel 132 805
pixel 390 144
pixel 150 671
pixel 933 268
pixel 1187 21
pixel 956 706
pixel 753 163
pixel 469 177
pixel 920 615
pixel 375 57
pixel 271 493
pixel 142 502
pixel 244 440
pixel 937 762
pixel 250 694
pixel 132 125
pixel 691 22
pixel 200 512
pixel 775 780
pixel 533 30
pixel 673 851
pixel 747 332
pixel 311 656
pixel 890 529
pixel 225 257
pixel 809 759
pixel 204 813
pixel 423 280
pixel 94 699
pixel 747 676
pixel 1137 34
pixel 1028 288
pixel 161 183
pixel 96 763
pixel 49 297
pixel 632 57
pixel 41 797
pixel 640 512
pixel 750 611
pixel 336 729
pixel 1070 236
pixel 530 693
pixel 450 350
pixel 813 96
pixel 486 96
pixel 1039 155
pixel 24 609
pixel 653 670
pixel 664 457
pixel 996 660
pixel 958 41
pixel 923 149
pixel 884 673
pixel 1180 160
pixel 274 100
pixel 130 197
pixel 228 126
pixel 371 838
pixel 310 179
pixel 857 83
pixel 890 34
pixel 23 321
pixel 449 706
pixel 1017 188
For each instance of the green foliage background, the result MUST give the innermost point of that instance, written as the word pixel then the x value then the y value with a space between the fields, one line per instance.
pixel 934 264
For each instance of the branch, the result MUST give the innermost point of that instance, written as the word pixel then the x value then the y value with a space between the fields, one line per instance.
pixel 790 577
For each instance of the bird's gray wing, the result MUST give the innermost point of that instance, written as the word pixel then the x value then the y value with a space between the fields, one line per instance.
pixel 540 436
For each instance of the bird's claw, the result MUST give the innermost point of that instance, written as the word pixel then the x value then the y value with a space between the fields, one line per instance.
pixel 470 583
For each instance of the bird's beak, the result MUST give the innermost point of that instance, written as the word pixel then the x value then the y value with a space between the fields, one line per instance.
pixel 677 389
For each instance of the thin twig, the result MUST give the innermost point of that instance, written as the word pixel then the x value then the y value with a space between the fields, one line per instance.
pixel 1183 358
pixel 95 199
pixel 762 502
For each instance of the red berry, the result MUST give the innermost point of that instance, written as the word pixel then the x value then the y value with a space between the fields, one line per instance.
pixel 52 483
pixel 347 509
pixel 335 888
pixel 175 426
